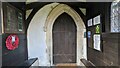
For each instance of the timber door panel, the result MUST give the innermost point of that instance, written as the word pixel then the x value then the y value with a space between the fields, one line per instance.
pixel 64 40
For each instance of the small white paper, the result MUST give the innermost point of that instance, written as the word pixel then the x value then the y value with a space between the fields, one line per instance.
pixel 96 20
pixel 90 22
pixel 20 29
pixel 89 34
pixel 97 42
pixel 13 38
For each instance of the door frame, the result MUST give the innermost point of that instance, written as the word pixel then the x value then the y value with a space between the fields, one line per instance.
pixel 81 29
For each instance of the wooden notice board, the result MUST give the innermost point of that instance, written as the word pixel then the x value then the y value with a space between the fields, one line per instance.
pixel 12 19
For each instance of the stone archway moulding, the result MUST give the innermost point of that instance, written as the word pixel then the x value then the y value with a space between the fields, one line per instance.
pixel 81 42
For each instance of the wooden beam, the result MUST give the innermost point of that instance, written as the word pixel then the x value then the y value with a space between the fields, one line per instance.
pixel 36 4
pixel 31 16
pixel 80 13
pixel 76 4
pixel 39 4
pixel 87 63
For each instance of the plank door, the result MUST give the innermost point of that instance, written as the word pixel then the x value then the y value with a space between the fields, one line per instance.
pixel 64 40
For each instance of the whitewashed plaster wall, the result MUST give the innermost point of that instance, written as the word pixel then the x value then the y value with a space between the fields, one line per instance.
pixel 36 35
pixel 83 10
pixel 28 13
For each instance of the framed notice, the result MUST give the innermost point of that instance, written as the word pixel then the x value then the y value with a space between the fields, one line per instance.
pixel 97 29
pixel 96 20
pixel 96 39
pixel 89 34
pixel 13 19
pixel 89 23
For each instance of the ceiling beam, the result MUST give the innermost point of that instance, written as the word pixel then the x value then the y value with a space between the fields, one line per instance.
pixel 39 4
pixel 80 13
pixel 76 4
pixel 36 4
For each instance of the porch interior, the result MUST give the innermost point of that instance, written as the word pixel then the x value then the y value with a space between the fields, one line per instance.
pixel 107 55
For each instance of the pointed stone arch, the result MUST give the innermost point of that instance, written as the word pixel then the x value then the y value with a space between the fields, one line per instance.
pixel 81 41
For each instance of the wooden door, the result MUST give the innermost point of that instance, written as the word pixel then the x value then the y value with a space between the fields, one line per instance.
pixel 64 40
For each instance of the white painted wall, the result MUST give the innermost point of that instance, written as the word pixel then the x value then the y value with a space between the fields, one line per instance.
pixel 83 10
pixel 36 35
pixel 28 13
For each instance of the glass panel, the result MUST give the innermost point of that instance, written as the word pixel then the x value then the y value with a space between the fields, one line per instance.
pixel 115 25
